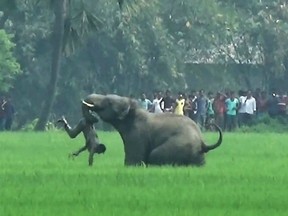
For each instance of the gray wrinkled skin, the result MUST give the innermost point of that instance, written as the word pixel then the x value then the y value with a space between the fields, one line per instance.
pixel 153 139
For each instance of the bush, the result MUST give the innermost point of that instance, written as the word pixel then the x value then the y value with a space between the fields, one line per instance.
pixel 267 124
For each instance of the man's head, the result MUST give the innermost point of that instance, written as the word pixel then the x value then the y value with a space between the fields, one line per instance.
pixel 193 93
pixel 159 95
pixel 249 94
pixel 263 94
pixel 168 93
pixel 201 93
pixel 232 95
pixel 101 148
pixel 143 96
pixel 210 95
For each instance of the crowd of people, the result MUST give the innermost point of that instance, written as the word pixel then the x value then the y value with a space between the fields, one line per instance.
pixel 7 112
pixel 227 109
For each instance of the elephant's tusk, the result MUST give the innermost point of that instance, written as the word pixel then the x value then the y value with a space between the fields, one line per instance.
pixel 87 104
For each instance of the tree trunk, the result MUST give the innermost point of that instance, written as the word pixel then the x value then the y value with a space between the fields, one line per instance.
pixel 60 7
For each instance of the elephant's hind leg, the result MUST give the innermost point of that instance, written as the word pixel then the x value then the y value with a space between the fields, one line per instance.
pixel 170 154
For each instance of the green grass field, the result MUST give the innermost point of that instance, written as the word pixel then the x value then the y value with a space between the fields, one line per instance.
pixel 247 175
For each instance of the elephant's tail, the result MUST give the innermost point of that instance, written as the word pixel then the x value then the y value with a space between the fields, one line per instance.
pixel 206 148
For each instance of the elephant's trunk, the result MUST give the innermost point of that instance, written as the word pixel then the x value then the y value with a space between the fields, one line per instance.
pixel 206 148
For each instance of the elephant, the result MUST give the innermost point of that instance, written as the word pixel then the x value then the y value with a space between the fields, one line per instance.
pixel 150 138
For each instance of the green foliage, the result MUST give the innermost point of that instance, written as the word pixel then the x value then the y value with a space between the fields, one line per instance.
pixel 38 178
pixel 267 124
pixel 28 127
pixel 146 45
pixel 9 67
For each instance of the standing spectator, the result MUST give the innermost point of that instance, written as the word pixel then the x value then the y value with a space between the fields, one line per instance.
pixel 272 105
pixel 250 108
pixel 282 105
pixel 9 113
pixel 210 110
pixel 202 104
pixel 219 109
pixel 261 104
pixel 190 107
pixel 232 104
pixel 168 102
pixel 179 104
pixel 194 107
pixel 157 103
pixel 2 113
pixel 241 108
pixel 144 103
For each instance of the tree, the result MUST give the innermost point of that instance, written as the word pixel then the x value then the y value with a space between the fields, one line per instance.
pixel 65 35
pixel 60 10
pixel 9 67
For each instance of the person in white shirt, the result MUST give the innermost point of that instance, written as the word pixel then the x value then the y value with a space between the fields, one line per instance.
pixel 157 103
pixel 241 108
pixel 250 108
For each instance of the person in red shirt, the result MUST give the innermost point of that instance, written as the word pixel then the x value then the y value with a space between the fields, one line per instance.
pixel 261 104
pixel 219 109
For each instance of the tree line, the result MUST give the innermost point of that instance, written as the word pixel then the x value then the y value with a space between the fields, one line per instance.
pixel 56 52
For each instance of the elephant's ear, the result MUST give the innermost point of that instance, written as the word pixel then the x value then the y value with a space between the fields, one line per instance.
pixel 121 107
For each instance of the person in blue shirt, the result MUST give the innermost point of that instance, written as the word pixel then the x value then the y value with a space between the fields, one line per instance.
pixel 232 104
pixel 144 103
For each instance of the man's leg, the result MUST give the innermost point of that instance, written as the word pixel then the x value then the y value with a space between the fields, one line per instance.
pixel 228 122
pixel 8 123
pixel 73 132
pixel 234 122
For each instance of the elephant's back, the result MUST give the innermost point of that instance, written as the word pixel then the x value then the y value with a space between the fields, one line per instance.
pixel 169 125
pixel 171 118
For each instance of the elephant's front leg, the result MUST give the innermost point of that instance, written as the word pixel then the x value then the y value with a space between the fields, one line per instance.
pixel 135 154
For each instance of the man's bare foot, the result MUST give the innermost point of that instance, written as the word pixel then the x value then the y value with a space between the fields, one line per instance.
pixel 62 120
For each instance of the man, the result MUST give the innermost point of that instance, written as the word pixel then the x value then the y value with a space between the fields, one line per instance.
pixel 144 103
pixel 202 104
pixel 272 105
pixel 232 104
pixel 210 110
pixel 250 108
pixel 157 105
pixel 192 107
pixel 241 108
pixel 219 109
pixel 282 105
pixel 92 143
pixel 9 113
pixel 2 113
pixel 261 104
pixel 168 102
